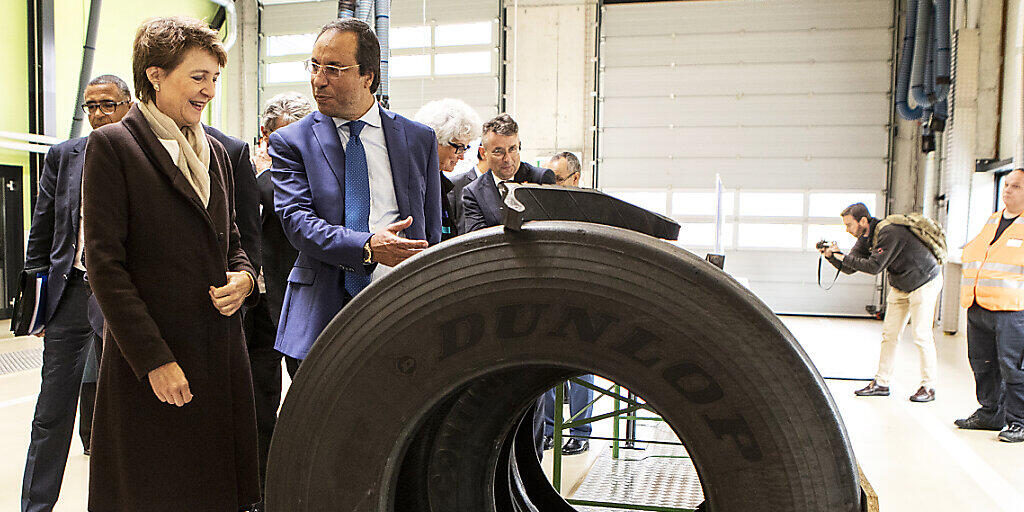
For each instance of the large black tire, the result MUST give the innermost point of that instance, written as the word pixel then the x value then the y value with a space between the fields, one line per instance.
pixel 712 359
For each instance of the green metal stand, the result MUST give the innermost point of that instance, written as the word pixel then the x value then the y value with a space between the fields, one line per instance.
pixel 624 409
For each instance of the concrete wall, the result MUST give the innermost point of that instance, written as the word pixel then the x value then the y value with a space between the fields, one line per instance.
pixel 550 76
pixel 1011 83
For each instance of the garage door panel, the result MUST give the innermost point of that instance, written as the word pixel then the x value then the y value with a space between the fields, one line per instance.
pixel 787 101
pixel 793 287
pixel 833 142
pixel 702 80
pixel 871 44
pixel 775 173
pixel 747 110
pixel 745 16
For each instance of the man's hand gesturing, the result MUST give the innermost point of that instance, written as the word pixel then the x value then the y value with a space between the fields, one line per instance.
pixel 390 249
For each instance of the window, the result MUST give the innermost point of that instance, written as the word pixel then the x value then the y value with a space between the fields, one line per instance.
pixel 700 203
pixel 462 63
pixel 831 204
pixel 285 72
pixel 772 204
pixel 702 234
pixel 291 44
pixel 463 34
pixel 402 66
pixel 830 233
pixel 409 37
pixel 771 236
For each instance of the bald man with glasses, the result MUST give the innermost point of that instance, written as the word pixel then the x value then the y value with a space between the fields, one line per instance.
pixel 56 241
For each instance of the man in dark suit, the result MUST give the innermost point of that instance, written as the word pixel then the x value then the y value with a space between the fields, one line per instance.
pixel 356 186
pixel 56 240
pixel 247 196
pixel 261 320
pixel 499 151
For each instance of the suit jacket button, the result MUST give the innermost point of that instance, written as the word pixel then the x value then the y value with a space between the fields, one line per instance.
pixel 220 236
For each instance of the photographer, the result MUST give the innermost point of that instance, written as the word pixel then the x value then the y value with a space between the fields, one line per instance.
pixel 915 280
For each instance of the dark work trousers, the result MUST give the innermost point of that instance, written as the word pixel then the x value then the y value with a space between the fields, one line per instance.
pixel 579 397
pixel 87 400
pixel 995 349
pixel 538 427
pixel 260 331
pixel 65 347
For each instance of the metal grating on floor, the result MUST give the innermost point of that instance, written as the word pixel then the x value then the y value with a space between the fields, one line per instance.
pixel 11 362
pixel 646 477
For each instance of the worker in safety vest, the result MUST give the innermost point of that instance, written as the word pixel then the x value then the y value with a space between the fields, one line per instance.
pixel 993 292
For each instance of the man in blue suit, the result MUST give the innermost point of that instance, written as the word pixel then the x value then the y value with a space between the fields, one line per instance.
pixel 499 155
pixel 356 186
pixel 55 240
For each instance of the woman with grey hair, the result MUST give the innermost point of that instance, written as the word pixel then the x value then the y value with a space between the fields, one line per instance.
pixel 282 110
pixel 455 124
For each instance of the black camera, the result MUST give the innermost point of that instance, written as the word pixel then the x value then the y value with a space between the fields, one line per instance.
pixel 822 245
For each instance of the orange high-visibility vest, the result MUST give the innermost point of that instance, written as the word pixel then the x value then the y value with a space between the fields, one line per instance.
pixel 993 275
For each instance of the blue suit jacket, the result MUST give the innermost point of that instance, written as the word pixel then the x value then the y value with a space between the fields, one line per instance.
pixel 309 197
pixel 53 237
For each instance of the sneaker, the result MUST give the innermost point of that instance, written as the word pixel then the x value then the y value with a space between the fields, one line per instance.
pixel 873 389
pixel 923 395
pixel 1012 434
pixel 976 422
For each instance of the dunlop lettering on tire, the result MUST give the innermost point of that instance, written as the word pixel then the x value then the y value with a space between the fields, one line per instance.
pixel 381 400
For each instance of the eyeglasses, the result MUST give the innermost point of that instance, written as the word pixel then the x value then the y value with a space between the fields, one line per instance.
pixel 500 152
pixel 559 181
pixel 329 70
pixel 105 106
pixel 460 149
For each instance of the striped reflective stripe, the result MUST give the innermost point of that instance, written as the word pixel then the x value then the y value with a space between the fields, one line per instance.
pixel 1001 283
pixel 1003 267
pixel 971 265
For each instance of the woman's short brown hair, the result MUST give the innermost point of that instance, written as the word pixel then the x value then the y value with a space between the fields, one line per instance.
pixel 163 42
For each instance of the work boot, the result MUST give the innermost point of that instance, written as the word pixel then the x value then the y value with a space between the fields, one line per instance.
pixel 977 422
pixel 1012 434
pixel 575 447
pixel 549 443
pixel 873 389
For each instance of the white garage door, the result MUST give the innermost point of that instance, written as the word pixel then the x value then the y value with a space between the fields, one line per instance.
pixel 787 100
pixel 439 49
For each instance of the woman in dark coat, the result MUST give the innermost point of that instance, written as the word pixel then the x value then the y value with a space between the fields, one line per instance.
pixel 174 427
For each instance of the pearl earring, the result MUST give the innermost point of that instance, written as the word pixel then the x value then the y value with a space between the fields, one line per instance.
pixel 157 87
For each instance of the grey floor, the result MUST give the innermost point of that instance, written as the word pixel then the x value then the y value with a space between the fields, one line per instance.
pixel 911 453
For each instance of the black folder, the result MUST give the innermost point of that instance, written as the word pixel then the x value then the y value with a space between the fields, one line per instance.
pixel 30 303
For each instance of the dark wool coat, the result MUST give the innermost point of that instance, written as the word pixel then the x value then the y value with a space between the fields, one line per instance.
pixel 152 252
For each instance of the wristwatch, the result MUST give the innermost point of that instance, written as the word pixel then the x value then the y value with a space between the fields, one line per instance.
pixel 367 254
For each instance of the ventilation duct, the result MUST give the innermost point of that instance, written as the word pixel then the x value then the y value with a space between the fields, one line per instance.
pixel 381 9
pixel 924 70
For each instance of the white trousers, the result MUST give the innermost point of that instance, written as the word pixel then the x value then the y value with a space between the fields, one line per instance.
pixel 919 307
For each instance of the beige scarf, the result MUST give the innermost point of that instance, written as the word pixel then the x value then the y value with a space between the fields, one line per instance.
pixel 194 149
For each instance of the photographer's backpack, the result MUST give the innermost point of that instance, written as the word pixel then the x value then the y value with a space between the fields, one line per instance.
pixel 927 230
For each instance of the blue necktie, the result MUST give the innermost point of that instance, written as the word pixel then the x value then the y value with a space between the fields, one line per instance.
pixel 357 197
